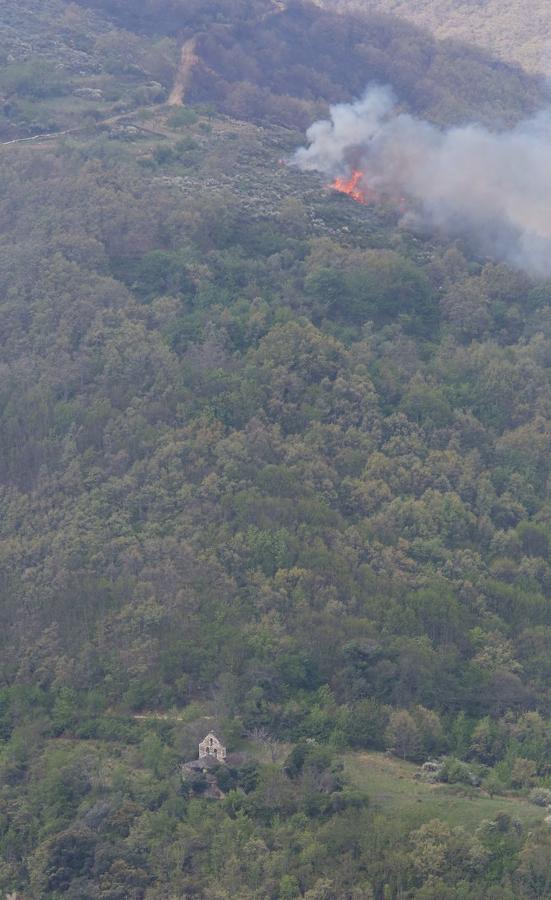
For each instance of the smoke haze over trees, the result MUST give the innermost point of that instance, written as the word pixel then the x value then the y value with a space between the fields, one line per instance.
pixel 493 188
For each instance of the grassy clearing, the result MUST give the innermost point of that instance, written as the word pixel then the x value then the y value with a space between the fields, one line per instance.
pixel 391 785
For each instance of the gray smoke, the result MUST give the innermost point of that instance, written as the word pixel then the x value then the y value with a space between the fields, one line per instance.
pixel 494 187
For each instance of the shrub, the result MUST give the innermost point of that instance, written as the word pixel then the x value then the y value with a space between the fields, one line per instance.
pixel 456 772
pixel 540 796
pixel 32 78
pixel 182 116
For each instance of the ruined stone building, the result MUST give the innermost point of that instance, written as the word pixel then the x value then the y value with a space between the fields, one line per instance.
pixel 211 746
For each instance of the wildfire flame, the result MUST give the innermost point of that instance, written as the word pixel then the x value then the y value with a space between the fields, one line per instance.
pixel 356 188
pixel 352 186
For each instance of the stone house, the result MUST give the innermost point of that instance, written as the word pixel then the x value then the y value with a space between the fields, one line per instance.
pixel 213 747
pixel 212 754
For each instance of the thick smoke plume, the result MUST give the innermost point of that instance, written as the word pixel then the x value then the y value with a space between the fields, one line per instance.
pixel 494 188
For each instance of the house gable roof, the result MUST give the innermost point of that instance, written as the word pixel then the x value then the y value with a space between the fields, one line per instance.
pixel 212 735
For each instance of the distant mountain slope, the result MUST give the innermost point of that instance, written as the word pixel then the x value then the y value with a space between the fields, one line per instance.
pixel 282 66
pixel 515 30
pixel 66 65
pixel 51 30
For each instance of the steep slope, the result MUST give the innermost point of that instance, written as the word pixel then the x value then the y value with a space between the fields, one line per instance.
pixel 64 66
pixel 264 457
pixel 68 65
pixel 286 66
pixel 516 32
pixel 270 463
pixel 188 60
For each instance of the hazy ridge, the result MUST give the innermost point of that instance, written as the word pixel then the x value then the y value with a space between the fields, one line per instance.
pixel 515 31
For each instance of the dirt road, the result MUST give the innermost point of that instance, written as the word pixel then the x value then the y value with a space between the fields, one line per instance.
pixel 188 59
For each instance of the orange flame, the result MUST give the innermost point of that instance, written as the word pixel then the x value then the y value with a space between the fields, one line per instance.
pixel 352 186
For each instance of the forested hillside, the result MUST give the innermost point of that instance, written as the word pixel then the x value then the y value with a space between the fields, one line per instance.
pixel 290 59
pixel 271 463
pixel 512 31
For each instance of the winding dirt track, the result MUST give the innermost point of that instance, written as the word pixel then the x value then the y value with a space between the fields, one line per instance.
pixel 110 120
pixel 35 137
pixel 188 60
